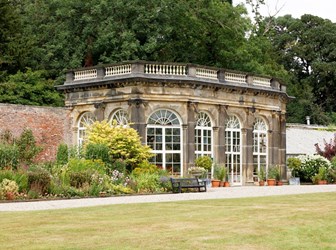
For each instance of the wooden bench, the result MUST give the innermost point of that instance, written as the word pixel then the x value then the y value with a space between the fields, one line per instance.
pixel 185 183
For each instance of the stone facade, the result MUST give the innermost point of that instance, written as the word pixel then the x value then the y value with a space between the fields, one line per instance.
pixel 50 126
pixel 142 88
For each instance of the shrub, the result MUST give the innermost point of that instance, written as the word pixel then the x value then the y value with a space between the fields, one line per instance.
pixel 20 177
pixel 8 186
pixel 204 162
pixel 62 155
pixel 97 152
pixel 9 156
pixel 39 180
pixel 78 165
pixel 147 167
pixel 118 178
pixel 33 194
pixel 147 183
pixel 78 179
pixel 119 165
pixel 27 147
pixel 329 150
pixel 95 189
pixel 310 165
pixel 119 189
pixel 123 142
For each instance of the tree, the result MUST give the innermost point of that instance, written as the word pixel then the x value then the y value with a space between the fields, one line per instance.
pixel 9 29
pixel 30 88
pixel 307 49
pixel 61 34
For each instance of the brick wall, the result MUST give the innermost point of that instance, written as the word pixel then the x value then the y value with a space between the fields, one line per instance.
pixel 50 126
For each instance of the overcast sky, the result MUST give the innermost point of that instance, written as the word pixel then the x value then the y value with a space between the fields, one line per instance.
pixel 322 8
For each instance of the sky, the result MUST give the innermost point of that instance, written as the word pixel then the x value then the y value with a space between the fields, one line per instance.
pixel 322 8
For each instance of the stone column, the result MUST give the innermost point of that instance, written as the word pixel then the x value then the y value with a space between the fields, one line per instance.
pixel 282 148
pixel 137 117
pixel 192 110
pixel 185 146
pixel 270 147
pixel 219 135
pixel 247 148
pixel 274 141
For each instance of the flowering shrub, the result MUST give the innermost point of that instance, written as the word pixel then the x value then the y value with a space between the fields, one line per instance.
pixel 8 186
pixel 119 178
pixel 310 165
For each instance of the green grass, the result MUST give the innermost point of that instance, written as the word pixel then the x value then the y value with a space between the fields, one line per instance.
pixel 279 222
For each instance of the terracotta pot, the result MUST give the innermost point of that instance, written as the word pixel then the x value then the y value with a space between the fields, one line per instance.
pixel 226 184
pixel 221 184
pixel 279 183
pixel 271 182
pixel 322 182
pixel 215 183
pixel 261 183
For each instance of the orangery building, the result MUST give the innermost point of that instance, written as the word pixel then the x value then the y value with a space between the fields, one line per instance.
pixel 183 111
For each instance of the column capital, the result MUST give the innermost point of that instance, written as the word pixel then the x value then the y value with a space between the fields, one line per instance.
pixel 136 102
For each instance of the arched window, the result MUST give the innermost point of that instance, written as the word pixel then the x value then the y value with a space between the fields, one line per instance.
pixel 259 147
pixel 164 136
pixel 203 135
pixel 85 120
pixel 119 117
pixel 233 149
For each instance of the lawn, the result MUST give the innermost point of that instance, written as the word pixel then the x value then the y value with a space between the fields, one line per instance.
pixel 279 222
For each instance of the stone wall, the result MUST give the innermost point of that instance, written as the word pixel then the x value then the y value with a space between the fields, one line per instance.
pixel 51 126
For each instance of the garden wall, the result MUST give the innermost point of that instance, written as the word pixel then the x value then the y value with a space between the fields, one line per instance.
pixel 51 126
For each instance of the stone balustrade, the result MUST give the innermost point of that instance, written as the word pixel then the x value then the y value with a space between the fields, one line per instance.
pixel 170 70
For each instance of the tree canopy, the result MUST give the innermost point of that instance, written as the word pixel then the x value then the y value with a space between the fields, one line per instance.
pixel 40 39
pixel 307 49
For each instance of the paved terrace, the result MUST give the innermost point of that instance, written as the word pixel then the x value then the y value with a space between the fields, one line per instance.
pixel 212 193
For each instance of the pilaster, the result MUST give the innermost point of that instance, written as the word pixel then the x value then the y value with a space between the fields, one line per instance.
pixel 138 120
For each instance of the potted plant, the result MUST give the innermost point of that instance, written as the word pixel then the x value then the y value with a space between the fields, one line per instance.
pixel 226 180
pixel 196 171
pixel 294 165
pixel 321 177
pixel 271 176
pixel 278 176
pixel 204 162
pixel 221 175
pixel 216 181
pixel 261 176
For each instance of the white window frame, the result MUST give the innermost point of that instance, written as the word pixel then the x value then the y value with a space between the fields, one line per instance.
pixel 203 126
pixel 165 119
pixel 233 151
pixel 121 118
pixel 86 119
pixel 260 147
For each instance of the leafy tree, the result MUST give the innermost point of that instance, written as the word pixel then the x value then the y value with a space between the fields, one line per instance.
pixel 307 50
pixel 30 88
pixel 61 34
pixel 9 29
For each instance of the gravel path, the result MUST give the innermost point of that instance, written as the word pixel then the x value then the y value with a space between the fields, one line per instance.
pixel 212 193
